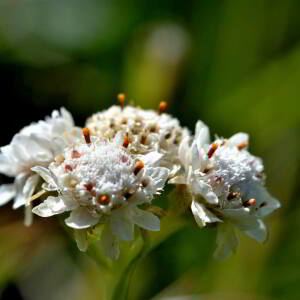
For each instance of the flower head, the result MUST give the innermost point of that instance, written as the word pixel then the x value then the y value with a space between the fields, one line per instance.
pixel 100 181
pixel 35 145
pixel 227 185
pixel 145 131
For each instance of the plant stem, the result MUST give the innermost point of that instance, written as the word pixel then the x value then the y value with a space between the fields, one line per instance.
pixel 150 240
pixel 122 289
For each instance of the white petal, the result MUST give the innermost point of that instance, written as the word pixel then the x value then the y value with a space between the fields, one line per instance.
pixel 151 158
pixel 265 203
pixel 33 150
pixel 46 175
pixel 9 157
pixel 159 176
pixel 80 236
pixel 145 219
pixel 271 205
pixel 184 151
pixel 203 215
pixel 202 133
pixel 227 241
pixel 49 188
pixel 138 198
pixel 238 215
pixel 19 185
pixel 199 161
pixel 119 138
pixel 67 116
pixel 46 143
pixel 81 218
pixel 201 188
pixel 6 166
pixel 121 225
pixel 19 201
pixel 53 206
pixel 248 223
pixel 7 192
pixel 257 230
pixel 21 148
pixel 110 243
pixel 196 158
pixel 30 186
pixel 238 138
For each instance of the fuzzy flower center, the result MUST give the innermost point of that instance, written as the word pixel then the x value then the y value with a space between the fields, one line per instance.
pixel 101 174
pixel 226 169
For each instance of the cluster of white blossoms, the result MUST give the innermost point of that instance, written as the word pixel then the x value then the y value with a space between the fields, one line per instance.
pixel 146 131
pixel 226 184
pixel 106 175
pixel 35 145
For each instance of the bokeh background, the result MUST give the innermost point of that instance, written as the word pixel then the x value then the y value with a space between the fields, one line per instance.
pixel 234 64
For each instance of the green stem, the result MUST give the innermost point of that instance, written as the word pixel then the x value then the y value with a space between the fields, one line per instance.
pixel 122 289
pixel 151 240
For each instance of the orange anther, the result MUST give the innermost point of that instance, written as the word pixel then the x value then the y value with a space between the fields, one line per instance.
pixel 103 200
pixel 121 98
pixel 139 165
pixel 242 145
pixel 75 154
pixel 212 150
pixel 87 136
pixel 250 202
pixel 126 141
pixel 163 105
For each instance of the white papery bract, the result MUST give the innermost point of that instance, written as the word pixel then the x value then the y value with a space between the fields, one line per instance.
pixel 227 186
pixel 35 145
pixel 147 131
pixel 101 182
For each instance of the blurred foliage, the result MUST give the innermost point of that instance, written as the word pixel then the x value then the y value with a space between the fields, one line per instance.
pixel 233 64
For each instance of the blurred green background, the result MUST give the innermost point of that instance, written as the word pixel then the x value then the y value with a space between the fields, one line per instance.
pixel 234 64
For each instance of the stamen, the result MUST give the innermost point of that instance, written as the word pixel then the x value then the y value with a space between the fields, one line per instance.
pixel 68 168
pixel 139 165
pixel 75 154
pixel 212 150
pixel 126 141
pixel 88 186
pixel 145 182
pixel 168 135
pixel 163 105
pixel 242 145
pixel 154 129
pixel 37 195
pixel 250 202
pixel 121 98
pixel 129 193
pixel 103 200
pixel 143 139
pixel 86 134
pixel 233 195
pixel 59 158
pixel 73 182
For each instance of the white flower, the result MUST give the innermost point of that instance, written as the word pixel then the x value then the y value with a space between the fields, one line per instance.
pixel 227 185
pixel 99 181
pixel 146 131
pixel 35 145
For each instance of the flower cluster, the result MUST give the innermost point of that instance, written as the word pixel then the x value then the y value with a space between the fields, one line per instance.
pixel 106 175
pixel 226 184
